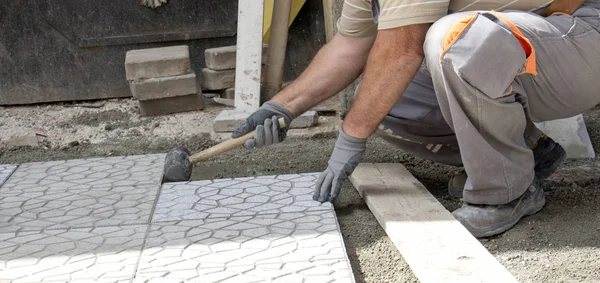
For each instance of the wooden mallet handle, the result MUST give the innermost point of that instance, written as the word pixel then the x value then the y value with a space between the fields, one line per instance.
pixel 225 146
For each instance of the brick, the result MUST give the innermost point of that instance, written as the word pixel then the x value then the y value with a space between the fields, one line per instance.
pixel 223 58
pixel 224 101
pixel 228 93
pixel 157 62
pixel 229 120
pixel 215 80
pixel 164 87
pixel 171 105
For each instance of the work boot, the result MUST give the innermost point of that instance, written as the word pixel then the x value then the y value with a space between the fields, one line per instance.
pixel 548 156
pixel 488 220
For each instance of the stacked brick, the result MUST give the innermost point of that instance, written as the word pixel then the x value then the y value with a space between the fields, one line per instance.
pixel 162 80
pixel 219 74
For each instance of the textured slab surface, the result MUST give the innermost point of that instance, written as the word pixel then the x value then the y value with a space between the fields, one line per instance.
pixel 237 197
pixel 80 193
pixel 289 247
pixel 106 254
pixel 93 172
pixel 38 207
pixel 5 171
pixel 89 221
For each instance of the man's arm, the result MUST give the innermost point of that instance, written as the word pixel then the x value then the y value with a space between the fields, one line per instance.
pixel 393 62
pixel 335 66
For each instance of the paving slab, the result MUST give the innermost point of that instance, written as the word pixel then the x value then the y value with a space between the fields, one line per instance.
pixel 252 229
pixel 102 254
pixel 5 171
pixel 109 220
pixel 226 198
pixel 80 193
pixel 287 247
pixel 34 208
pixel 92 172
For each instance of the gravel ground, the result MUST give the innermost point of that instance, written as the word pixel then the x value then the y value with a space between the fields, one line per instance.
pixel 560 244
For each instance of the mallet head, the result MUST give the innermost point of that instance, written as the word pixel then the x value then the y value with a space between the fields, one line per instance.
pixel 177 165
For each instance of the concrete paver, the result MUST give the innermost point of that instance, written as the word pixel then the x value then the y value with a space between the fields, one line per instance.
pixel 80 193
pixel 237 197
pixel 289 246
pixel 32 208
pixel 103 254
pixel 93 172
pixel 5 171
pixel 216 80
pixel 157 62
pixel 109 220
pixel 165 87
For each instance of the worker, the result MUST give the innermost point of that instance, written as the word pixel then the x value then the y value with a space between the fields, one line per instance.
pixel 458 82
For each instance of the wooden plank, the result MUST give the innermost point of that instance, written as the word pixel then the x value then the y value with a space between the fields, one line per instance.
pixel 249 55
pixel 434 244
pixel 328 19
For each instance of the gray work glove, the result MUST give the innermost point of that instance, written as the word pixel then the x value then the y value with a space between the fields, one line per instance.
pixel 346 155
pixel 265 121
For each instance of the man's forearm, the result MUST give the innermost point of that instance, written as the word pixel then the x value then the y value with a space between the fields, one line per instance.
pixel 334 67
pixel 391 66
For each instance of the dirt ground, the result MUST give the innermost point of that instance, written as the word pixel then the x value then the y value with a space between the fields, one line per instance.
pixel 560 244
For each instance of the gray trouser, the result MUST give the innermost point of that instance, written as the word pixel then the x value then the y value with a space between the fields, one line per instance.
pixel 487 102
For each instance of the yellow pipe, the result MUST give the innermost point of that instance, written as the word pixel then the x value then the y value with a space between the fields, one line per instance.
pixel 268 12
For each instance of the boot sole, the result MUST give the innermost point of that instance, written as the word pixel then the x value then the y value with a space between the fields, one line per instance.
pixel 503 228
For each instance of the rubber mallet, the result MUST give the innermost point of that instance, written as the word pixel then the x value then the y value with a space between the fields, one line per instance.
pixel 179 163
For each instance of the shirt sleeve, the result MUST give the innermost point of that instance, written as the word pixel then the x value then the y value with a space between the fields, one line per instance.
pixel 397 13
pixel 356 19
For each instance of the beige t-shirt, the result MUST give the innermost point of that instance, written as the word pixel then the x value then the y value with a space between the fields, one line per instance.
pixel 357 18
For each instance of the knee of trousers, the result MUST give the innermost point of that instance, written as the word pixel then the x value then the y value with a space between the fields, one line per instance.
pixel 481 49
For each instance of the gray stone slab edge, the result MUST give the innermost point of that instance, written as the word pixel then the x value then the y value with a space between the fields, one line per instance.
pixel 6 171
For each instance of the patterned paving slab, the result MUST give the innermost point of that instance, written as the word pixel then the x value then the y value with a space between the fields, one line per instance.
pixel 93 172
pixel 287 247
pixel 80 193
pixel 238 197
pixel 47 207
pixel 5 171
pixel 105 254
